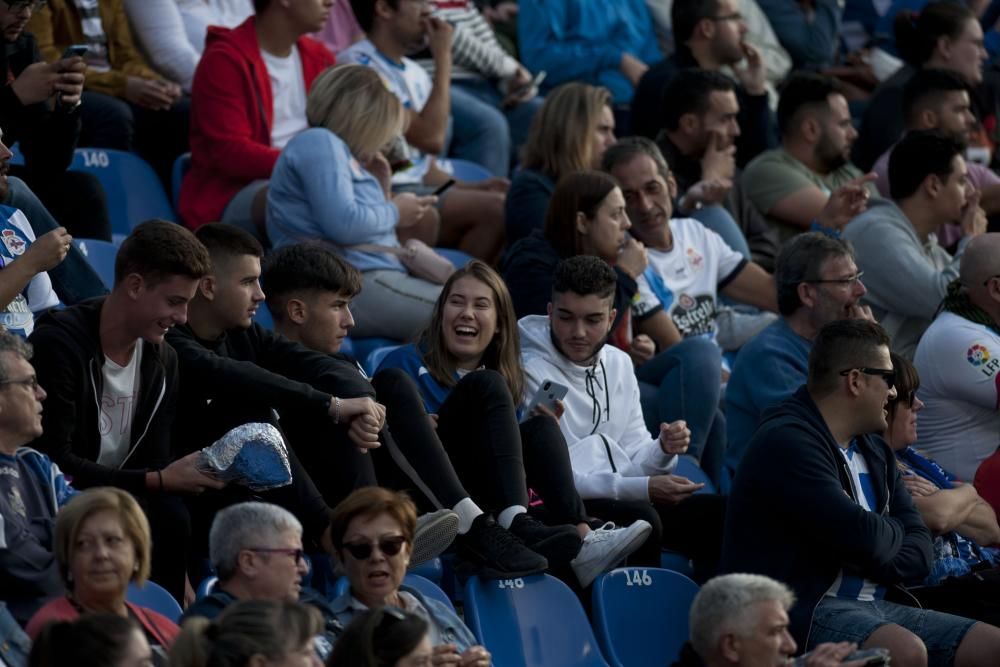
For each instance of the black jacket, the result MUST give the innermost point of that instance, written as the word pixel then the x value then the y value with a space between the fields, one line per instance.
pixel 68 361
pixel 792 514
pixel 47 137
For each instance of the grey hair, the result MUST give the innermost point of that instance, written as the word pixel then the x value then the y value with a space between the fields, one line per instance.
pixel 244 526
pixel 799 260
pixel 14 344
pixel 720 607
pixel 627 149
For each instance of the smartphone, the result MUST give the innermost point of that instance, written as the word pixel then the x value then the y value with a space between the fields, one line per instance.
pixel 444 188
pixel 871 657
pixel 535 82
pixel 75 50
pixel 547 395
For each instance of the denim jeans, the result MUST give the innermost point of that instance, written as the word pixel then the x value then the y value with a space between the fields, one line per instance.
pixel 485 133
pixel 73 279
pixel 720 221
pixel 684 382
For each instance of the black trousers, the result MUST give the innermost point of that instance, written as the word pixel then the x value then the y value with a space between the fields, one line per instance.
pixel 975 595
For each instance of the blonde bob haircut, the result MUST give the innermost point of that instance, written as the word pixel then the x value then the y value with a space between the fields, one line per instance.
pixel 561 139
pixel 86 504
pixel 354 102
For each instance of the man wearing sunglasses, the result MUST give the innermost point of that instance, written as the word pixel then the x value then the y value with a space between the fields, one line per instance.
pixel 907 271
pixel 819 504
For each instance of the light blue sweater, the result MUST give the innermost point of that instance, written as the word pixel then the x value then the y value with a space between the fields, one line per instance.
pixel 319 190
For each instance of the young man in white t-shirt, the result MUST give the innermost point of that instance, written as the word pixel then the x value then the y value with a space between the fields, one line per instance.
pixel 959 362
pixel 112 381
pixel 471 213
pixel 688 263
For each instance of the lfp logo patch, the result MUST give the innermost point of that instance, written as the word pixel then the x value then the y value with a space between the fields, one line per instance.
pixel 978 355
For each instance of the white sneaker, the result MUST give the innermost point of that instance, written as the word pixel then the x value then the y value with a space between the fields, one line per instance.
pixel 605 547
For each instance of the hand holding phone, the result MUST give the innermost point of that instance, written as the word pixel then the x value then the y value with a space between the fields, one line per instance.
pixel 547 395
pixel 75 51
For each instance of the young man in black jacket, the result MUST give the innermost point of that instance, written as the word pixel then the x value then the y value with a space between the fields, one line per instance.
pixel 818 503
pixel 327 407
pixel 112 384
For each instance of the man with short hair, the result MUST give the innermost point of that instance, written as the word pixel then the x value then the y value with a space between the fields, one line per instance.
pixel 817 283
pixel 957 358
pixel 741 620
pixel 790 185
pixel 907 271
pixel 688 264
pixel 710 35
pixel 816 464
pixel 248 99
pixel 471 213
pixel 112 384
pixel 620 472
pixel 32 488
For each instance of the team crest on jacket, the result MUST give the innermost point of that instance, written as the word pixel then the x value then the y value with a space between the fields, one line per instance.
pixel 17 503
pixel 15 244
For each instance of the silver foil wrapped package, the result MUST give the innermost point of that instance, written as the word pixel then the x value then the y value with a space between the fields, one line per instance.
pixel 251 455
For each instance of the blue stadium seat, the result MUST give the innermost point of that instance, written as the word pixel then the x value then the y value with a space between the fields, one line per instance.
pixel 155 597
pixel 676 561
pixel 133 189
pixel 181 166
pixel 347 347
pixel 464 170
pixel 426 587
pixel 534 621
pixel 456 257
pixel 641 615
pixel 263 317
pixel 206 587
pixel 688 467
pixel 101 257
pixel 376 358
pixel 363 347
pixel 432 569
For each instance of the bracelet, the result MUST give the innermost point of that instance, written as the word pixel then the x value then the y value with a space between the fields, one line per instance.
pixel 159 474
pixel 336 410
pixel 829 231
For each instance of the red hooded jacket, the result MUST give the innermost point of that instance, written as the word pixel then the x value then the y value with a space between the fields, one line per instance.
pixel 232 112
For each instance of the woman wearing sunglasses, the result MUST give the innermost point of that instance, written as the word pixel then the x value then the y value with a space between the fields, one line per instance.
pixel 372 534
pixel 964 579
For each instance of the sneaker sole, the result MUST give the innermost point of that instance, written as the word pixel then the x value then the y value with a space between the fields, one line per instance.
pixel 434 535
pixel 614 557
pixel 472 566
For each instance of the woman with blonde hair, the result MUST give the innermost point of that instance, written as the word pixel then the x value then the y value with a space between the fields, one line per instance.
pixel 102 544
pixel 251 633
pixel 468 370
pixel 332 183
pixel 569 133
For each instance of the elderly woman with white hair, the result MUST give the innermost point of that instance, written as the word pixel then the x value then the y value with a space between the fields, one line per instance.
pixel 742 619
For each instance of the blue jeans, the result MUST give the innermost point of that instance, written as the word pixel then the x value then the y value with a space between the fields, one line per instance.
pixel 483 132
pixel 720 221
pixel 684 382
pixel 73 279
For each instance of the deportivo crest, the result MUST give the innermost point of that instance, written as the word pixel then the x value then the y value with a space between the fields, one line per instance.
pixel 695 259
pixel 17 503
pixel 15 244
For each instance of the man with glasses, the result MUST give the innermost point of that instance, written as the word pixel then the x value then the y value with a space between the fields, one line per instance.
pixel 817 283
pixel 958 359
pixel 256 551
pixel 31 488
pixel 907 271
pixel 819 504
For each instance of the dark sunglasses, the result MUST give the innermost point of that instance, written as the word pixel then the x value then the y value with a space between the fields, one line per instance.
pixel 888 375
pixel 906 399
pixel 389 546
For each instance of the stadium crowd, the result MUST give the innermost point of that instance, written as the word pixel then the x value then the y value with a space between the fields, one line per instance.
pixel 523 286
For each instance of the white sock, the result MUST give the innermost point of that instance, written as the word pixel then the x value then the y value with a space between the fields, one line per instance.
pixel 467 511
pixel 507 516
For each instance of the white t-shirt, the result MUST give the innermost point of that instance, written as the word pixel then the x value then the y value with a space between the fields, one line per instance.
pixel 409 82
pixel 118 407
pixel 689 277
pixel 959 365
pixel 288 88
pixel 15 237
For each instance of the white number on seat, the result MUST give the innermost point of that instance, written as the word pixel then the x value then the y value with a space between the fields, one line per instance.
pixel 96 159
pixel 510 583
pixel 638 578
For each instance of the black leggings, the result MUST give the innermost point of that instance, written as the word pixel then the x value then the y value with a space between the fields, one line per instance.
pixel 494 456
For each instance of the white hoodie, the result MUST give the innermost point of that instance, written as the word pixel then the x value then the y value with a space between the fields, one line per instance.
pixel 610 449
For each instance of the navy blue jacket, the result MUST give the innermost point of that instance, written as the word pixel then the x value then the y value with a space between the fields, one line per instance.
pixel 792 515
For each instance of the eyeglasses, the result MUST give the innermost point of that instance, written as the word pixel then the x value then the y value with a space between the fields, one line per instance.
pixel 906 399
pixel 18 6
pixel 30 382
pixel 735 16
pixel 888 375
pixel 297 554
pixel 389 546
pixel 851 281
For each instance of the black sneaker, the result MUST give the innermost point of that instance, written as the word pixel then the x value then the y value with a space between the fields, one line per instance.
pixel 495 553
pixel 559 544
